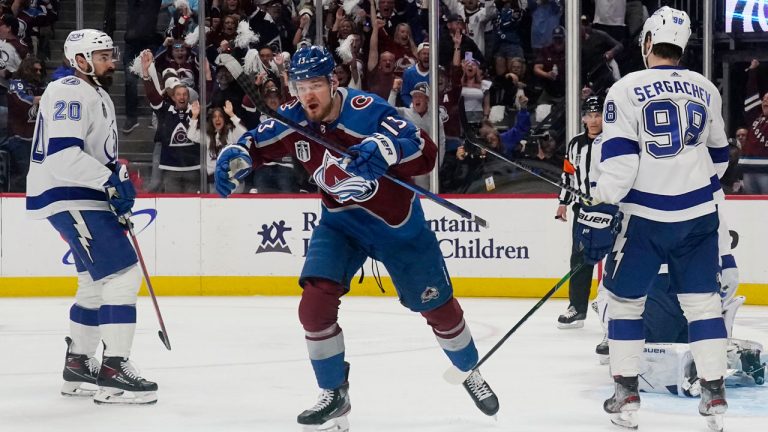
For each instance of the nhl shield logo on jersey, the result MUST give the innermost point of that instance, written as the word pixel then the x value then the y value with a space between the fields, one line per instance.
pixel 302 151
pixel 430 293
pixel 337 182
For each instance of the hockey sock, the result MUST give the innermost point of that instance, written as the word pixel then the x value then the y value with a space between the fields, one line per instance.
pixel 626 336
pixel 118 325
pixel 706 333
pixel 318 313
pixel 453 335
pixel 84 330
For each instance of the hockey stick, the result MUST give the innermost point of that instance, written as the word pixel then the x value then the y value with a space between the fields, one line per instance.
pixel 455 376
pixel 163 333
pixel 250 89
pixel 475 141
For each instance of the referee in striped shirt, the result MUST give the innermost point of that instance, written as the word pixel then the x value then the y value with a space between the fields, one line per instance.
pixel 578 158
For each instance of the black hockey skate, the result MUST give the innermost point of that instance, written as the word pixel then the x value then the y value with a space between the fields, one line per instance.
pixel 331 410
pixel 80 373
pixel 571 319
pixel 624 403
pixel 713 405
pixel 602 351
pixel 481 393
pixel 750 363
pixel 120 383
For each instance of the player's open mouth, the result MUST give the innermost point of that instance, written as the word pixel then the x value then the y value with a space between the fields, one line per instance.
pixel 313 106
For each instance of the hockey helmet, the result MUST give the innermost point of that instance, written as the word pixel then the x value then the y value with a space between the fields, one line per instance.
pixel 592 104
pixel 85 42
pixel 667 25
pixel 311 62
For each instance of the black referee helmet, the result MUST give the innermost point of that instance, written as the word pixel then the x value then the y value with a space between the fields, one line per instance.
pixel 592 104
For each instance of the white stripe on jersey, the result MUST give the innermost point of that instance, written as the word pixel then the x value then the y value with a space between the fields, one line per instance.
pixel 663 146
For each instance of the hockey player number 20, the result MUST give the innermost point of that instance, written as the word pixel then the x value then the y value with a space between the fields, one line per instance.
pixel 662 122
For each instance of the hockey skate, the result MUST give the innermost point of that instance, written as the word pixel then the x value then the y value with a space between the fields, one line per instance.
pixel 713 405
pixel 120 383
pixel 80 373
pixel 330 412
pixel 481 393
pixel 571 319
pixel 602 351
pixel 624 403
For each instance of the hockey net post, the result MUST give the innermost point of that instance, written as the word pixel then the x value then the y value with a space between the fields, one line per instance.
pixel 253 93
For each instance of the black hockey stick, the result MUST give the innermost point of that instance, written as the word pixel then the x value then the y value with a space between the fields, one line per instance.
pixel 454 376
pixel 253 93
pixel 475 140
pixel 163 333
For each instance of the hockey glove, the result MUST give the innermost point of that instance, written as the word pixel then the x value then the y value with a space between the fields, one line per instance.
pixel 598 226
pixel 373 156
pixel 120 192
pixel 233 164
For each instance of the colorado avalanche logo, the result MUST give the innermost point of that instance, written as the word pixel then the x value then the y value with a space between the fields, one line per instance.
pixel 340 184
pixel 360 102
pixel 179 136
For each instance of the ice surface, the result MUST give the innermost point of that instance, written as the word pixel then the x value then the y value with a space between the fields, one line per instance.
pixel 239 364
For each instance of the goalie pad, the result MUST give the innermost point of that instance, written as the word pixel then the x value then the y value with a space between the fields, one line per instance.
pixel 670 369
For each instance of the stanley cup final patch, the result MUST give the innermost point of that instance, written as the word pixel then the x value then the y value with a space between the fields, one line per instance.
pixel 302 151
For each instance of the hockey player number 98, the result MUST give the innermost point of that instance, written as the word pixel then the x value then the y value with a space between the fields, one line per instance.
pixel 662 122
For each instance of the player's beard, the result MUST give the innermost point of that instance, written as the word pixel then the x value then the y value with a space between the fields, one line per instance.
pixel 105 81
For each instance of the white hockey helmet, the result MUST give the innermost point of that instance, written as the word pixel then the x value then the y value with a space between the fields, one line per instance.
pixel 85 42
pixel 666 25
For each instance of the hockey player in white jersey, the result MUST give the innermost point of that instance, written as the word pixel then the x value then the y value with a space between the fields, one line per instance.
pixel 663 130
pixel 77 184
pixel 668 366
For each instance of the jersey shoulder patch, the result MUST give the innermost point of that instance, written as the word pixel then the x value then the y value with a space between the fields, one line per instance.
pixel 360 102
pixel 363 112
pixel 70 80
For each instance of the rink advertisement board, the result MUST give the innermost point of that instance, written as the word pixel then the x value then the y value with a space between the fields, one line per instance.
pixel 256 246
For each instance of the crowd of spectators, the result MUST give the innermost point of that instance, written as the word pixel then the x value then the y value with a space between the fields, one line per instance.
pixel 501 76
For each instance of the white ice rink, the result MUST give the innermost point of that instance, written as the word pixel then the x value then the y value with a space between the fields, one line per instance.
pixel 239 364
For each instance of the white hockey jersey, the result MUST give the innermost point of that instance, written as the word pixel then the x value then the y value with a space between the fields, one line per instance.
pixel 75 138
pixel 663 147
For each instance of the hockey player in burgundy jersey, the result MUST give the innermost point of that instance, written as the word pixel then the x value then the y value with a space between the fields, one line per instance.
pixel 364 215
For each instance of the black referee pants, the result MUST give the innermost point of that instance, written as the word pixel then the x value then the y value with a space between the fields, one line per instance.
pixel 581 281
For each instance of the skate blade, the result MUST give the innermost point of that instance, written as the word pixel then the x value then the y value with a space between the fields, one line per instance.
pixel 113 396
pixel 573 325
pixel 338 424
pixel 715 423
pixel 78 389
pixel 625 419
pixel 604 359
